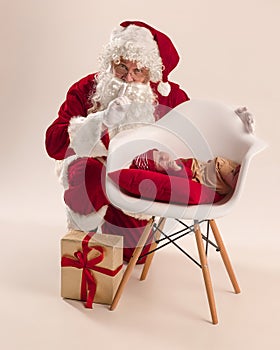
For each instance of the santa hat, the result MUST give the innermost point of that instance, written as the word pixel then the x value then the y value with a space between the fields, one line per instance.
pixel 137 41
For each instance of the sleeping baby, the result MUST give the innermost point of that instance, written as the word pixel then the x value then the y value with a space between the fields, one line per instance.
pixel 220 174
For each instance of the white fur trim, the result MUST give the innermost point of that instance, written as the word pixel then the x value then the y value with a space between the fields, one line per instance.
pixel 137 216
pixel 85 134
pixel 85 223
pixel 137 115
pixel 62 170
pixel 164 88
pixel 58 167
pixel 99 150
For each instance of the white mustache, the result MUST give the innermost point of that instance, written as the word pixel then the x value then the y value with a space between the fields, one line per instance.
pixel 138 92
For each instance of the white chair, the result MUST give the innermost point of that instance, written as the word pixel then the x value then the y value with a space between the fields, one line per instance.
pixel 200 129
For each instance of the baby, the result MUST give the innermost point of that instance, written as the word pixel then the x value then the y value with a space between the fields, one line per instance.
pixel 220 174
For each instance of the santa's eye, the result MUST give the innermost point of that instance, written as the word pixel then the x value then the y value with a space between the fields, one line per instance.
pixel 121 69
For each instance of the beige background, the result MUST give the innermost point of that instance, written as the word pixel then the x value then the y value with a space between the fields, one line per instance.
pixel 229 51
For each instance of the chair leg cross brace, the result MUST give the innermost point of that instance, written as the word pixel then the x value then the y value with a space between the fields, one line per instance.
pixel 201 251
pixel 183 232
pixel 176 245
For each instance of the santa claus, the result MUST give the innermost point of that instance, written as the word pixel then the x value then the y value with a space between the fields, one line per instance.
pixel 130 88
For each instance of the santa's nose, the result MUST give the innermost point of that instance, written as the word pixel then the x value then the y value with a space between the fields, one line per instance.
pixel 128 78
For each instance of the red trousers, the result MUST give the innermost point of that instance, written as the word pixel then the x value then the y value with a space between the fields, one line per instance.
pixel 86 194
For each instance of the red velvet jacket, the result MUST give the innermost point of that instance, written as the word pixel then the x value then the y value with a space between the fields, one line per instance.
pixel 78 102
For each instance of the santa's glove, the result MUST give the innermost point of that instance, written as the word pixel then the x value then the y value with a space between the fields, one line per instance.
pixel 247 118
pixel 116 111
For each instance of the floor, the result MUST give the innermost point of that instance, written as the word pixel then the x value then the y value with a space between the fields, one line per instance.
pixel 168 310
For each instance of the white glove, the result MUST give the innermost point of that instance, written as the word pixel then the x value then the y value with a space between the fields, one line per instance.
pixel 247 118
pixel 116 111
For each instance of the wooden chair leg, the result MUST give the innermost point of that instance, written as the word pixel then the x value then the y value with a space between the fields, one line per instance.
pixel 206 273
pixel 152 247
pixel 132 263
pixel 225 256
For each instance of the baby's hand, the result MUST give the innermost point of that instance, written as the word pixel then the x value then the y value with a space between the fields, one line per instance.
pixel 163 161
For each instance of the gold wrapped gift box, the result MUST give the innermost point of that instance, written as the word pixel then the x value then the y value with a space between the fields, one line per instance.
pixel 91 266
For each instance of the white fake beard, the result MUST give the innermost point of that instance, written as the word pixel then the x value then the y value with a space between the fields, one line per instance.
pixel 109 87
pixel 141 109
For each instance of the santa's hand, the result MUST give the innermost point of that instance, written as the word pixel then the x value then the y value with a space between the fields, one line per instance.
pixel 247 118
pixel 116 111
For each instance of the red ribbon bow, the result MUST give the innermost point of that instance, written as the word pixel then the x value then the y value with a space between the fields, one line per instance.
pixel 88 284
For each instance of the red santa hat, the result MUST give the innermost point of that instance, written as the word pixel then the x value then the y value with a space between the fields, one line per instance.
pixel 137 41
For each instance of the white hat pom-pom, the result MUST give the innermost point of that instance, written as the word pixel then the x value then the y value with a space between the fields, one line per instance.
pixel 164 88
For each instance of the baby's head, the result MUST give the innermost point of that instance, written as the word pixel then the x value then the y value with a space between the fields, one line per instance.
pixel 229 171
pixel 163 162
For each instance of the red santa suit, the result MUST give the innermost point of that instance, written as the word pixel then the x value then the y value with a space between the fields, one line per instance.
pixel 83 170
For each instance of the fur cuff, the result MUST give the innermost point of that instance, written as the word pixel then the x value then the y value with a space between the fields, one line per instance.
pixel 85 223
pixel 61 168
pixel 85 135
pixel 137 216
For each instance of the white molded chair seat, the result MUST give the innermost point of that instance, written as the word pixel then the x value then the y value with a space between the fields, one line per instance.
pixel 200 129
pixel 195 129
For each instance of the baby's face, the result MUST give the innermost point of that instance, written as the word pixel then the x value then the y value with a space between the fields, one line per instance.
pixel 163 162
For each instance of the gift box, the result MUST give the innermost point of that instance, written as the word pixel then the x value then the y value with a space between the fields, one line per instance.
pixel 91 266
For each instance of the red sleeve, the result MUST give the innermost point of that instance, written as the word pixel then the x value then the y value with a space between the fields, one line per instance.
pixel 76 104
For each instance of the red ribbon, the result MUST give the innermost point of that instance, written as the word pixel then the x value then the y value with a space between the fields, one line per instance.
pixel 88 284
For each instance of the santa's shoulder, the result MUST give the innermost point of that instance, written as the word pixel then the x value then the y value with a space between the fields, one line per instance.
pixel 84 84
pixel 176 95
